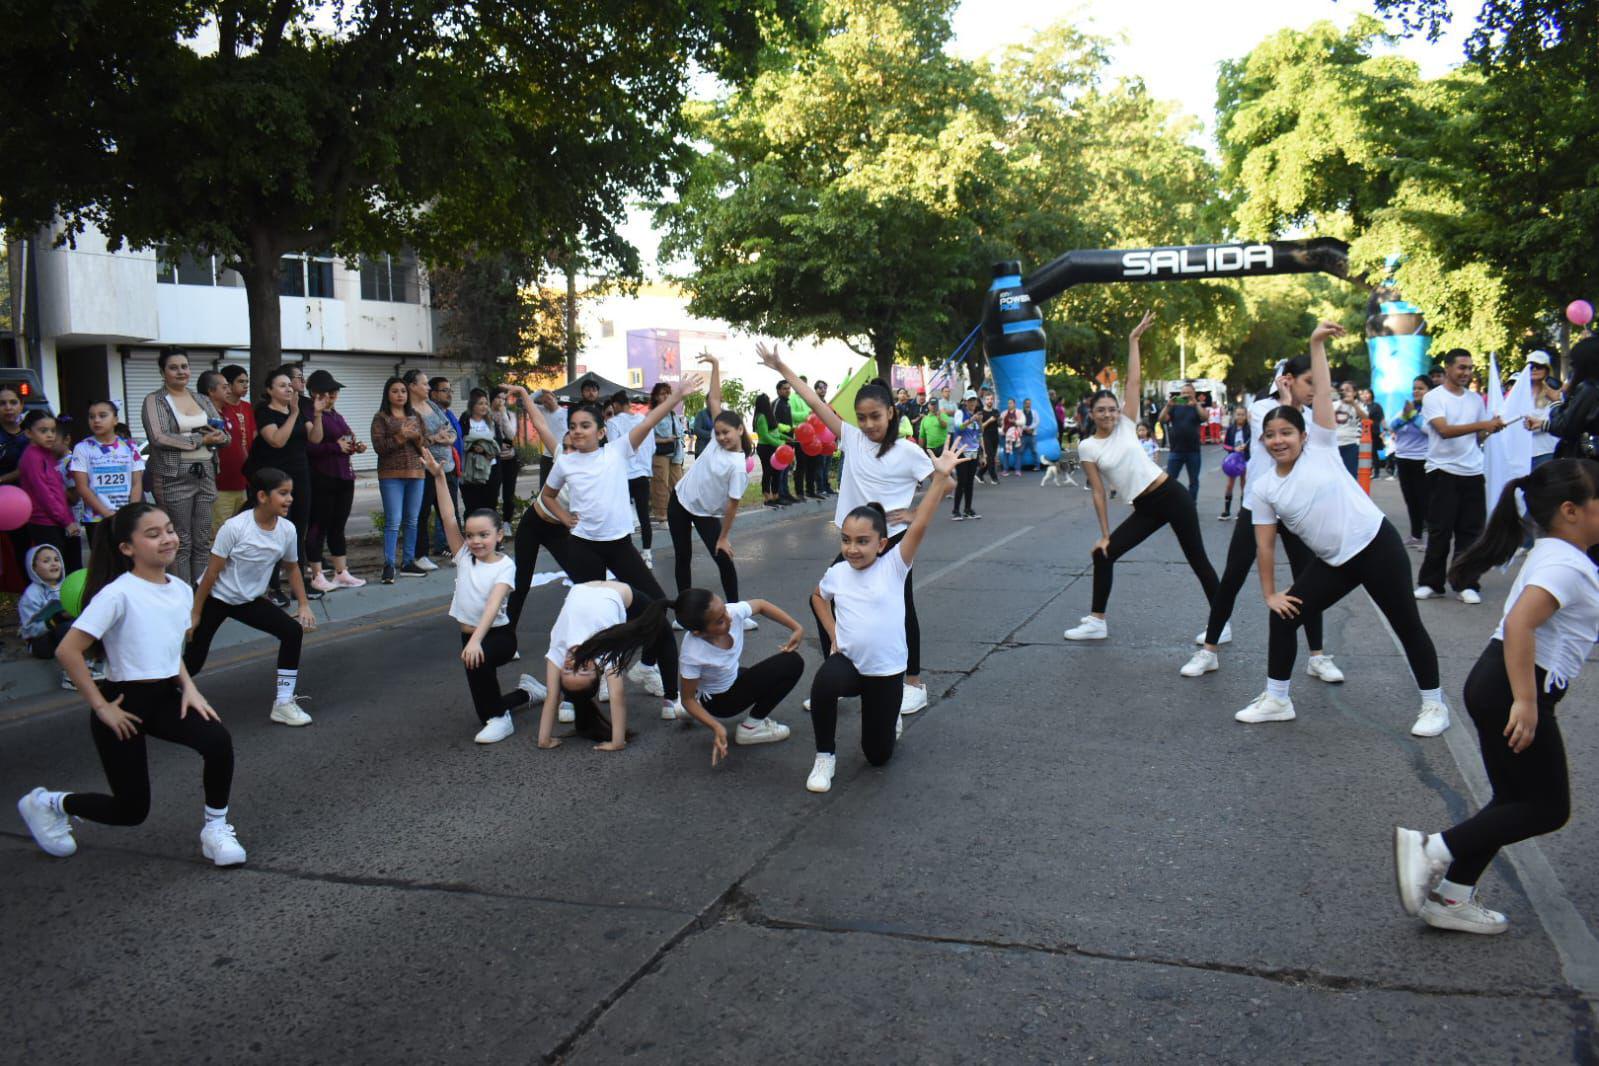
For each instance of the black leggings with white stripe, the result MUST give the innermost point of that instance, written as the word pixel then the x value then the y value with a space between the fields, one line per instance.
pixel 1166 504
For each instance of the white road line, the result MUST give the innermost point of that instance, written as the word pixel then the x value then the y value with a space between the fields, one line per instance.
pixel 1574 941
pixel 950 568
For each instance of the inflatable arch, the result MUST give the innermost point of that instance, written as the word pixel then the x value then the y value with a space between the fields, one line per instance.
pixel 1013 322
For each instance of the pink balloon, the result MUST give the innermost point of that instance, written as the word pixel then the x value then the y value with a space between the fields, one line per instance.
pixel 16 507
pixel 749 464
pixel 1579 312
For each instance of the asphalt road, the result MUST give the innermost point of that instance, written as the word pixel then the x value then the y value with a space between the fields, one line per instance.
pixel 1075 855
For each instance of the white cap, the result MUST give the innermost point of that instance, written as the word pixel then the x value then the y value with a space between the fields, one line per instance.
pixel 1541 358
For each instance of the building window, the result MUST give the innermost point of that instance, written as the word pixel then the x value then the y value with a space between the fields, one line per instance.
pixel 307 275
pixel 172 268
pixel 390 278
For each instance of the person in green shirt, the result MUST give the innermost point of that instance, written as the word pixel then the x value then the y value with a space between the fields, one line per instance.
pixel 769 436
pixel 934 430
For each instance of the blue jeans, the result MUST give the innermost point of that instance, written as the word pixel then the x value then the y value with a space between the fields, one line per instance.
pixel 1176 461
pixel 402 499
pixel 1029 452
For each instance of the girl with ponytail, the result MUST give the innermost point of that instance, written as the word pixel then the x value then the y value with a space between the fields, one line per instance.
pixel 706 500
pixel 1550 620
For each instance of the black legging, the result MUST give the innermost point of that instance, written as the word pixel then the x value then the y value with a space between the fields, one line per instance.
pixel 913 625
pixel 532 533
pixel 965 478
pixel 760 687
pixel 589 561
pixel 1413 486
pixel 639 489
pixel 1532 792
pixel 1241 551
pixel 499 646
pixel 880 699
pixel 682 523
pixel 126 765
pixel 1166 504
pixel 331 500
pixel 991 453
pixel 1382 568
pixel 299 517
pixel 257 614
pixel 509 470
pixel 768 475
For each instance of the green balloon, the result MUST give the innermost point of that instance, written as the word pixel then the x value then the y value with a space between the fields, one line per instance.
pixel 72 592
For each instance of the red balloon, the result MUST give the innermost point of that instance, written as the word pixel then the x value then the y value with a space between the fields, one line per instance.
pixel 805 434
pixel 783 457
pixel 827 439
pixel 813 447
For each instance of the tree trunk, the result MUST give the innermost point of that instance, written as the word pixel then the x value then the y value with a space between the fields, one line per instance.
pixel 571 319
pixel 260 271
pixel 884 344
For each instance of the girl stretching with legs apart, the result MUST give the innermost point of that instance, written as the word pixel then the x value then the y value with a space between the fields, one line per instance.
pixel 140 614
pixel 856 606
pixel 245 557
pixel 880 468
pixel 706 500
pixel 1550 621
pixel 1292 387
pixel 1115 461
pixel 1309 491
pixel 483 581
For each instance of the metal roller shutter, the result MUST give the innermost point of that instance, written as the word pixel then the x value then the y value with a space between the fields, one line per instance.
pixel 362 377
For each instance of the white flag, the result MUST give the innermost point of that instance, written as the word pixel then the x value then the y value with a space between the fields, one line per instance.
pixel 1507 454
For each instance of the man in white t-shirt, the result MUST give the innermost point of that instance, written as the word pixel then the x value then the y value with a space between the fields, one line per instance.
pixel 555 415
pixel 1457 506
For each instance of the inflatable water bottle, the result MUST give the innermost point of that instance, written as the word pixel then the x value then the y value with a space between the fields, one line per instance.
pixel 1397 342
pixel 1013 340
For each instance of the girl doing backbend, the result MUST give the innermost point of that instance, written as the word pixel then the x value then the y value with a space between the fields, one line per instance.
pixel 1551 619
pixel 1114 461
pixel 1309 491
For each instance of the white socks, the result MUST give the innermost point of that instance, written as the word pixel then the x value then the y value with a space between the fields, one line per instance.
pixel 1436 849
pixel 1277 690
pixel 1432 695
pixel 1453 893
pixel 286 681
pixel 212 814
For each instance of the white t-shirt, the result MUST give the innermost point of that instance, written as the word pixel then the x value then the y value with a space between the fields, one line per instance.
pixel 619 426
pixel 1567 574
pixel 716 668
pixel 557 421
pixel 1348 419
pixel 478 427
pixel 1455 455
pixel 1259 459
pixel 587 610
pixel 1319 501
pixel 890 480
pixel 253 554
pixel 598 480
pixel 475 582
pixel 1123 464
pixel 110 469
pixel 869 609
pixel 1543 442
pixel 717 476
pixel 142 626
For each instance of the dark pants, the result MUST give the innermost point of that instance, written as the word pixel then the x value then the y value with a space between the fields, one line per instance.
pixel 257 614
pixel 1457 510
pixel 1382 568
pixel 331 500
pixel 1350 454
pixel 589 561
pixel 991 454
pixel 760 688
pixel 880 699
pixel 71 548
pixel 639 489
pixel 682 524
pixel 768 475
pixel 1241 552
pixel 510 470
pixel 44 647
pixel 965 479
pixel 1177 462
pixel 127 768
pixel 1532 792
pixel 802 471
pixel 546 464
pixel 430 505
pixel 499 646
pixel 299 517
pixel 533 533
pixel 913 625
pixel 1413 487
pixel 1164 505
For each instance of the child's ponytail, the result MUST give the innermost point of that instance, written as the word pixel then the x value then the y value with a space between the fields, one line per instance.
pixel 615 647
pixel 1545 490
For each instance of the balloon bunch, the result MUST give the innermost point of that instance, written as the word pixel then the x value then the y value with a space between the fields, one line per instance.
pixel 814 437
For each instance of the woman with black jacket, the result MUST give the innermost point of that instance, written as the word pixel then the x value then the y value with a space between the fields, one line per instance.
pixel 1575 420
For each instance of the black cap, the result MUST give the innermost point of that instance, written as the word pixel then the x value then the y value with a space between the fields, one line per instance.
pixel 322 381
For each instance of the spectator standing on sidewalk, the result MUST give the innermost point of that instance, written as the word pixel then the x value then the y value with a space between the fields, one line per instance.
pixel 232 402
pixel 183 429
pixel 398 439
pixel 510 466
pixel 439 435
pixel 666 468
pixel 1182 416
pixel 332 489
pixel 555 415
pixel 1410 459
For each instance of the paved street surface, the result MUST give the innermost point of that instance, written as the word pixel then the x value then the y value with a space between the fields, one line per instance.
pixel 1075 855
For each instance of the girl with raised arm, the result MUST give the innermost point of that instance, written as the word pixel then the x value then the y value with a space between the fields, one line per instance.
pixel 1115 461
pixel 706 500
pixel 539 528
pixel 1308 491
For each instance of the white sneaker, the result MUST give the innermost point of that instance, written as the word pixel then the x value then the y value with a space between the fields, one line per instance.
pixel 1225 638
pixel 1202 663
pixel 1267 709
pixel 1090 628
pixel 821 778
pixel 751 624
pixel 1323 667
pixel 604 693
pixel 649 557
pixel 1414 872
pixel 51 831
pixel 677 627
pixel 1433 720
pixel 422 562
pixel 764 731
pixel 1471 596
pixel 288 713
pixel 913 699
pixel 672 710
pixel 495 730
pixel 1467 916
pixel 219 843
pixel 533 687
pixel 1424 592
pixel 806 703
pixel 648 676
pixel 566 714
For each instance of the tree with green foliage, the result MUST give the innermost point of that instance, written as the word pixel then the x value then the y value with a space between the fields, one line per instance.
pixel 494 311
pixel 252 130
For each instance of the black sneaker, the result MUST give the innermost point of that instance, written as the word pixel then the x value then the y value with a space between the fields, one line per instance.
pixel 314 594
pixel 277 599
pixel 388 573
pixel 973 514
pixel 412 570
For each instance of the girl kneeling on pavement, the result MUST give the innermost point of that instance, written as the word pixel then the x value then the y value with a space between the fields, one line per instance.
pixel 484 578
pixel 1550 620
pixel 139 613
pixel 859 606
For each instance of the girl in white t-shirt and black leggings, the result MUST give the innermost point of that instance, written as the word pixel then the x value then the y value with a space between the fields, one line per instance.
pixel 1549 625
pixel 1307 489
pixel 879 467
pixel 139 613
pixel 1115 460
pixel 245 556
pixel 706 500
pixel 856 607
